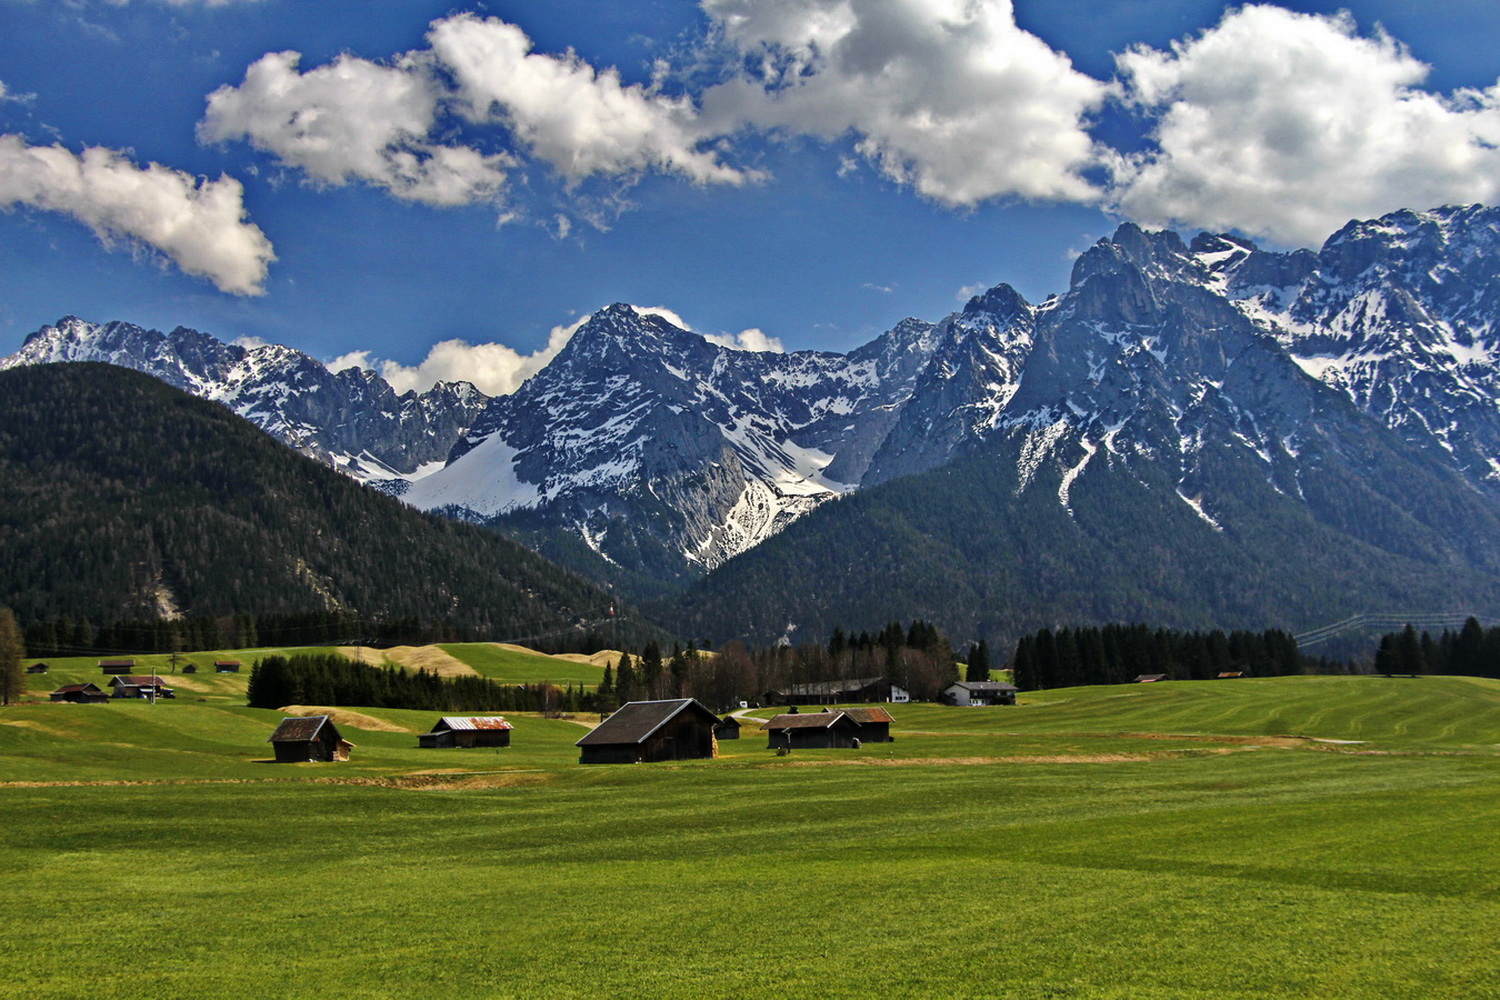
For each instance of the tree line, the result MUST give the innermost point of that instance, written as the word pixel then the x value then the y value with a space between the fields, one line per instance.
pixel 1116 654
pixel 328 679
pixel 1472 651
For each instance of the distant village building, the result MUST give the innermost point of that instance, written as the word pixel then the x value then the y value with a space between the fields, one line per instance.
pixel 977 693
pixel 81 694
pixel 226 666
pixel 467 731
pixel 116 666
pixel 856 690
pixel 826 730
pixel 131 686
pixel 309 738
pixel 1149 678
pixel 645 731
pixel 728 728
pixel 38 668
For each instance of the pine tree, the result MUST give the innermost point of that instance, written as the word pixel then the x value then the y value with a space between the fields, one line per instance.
pixel 12 652
pixel 979 662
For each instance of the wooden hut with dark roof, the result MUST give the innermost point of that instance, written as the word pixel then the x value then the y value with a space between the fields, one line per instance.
pixel 306 738
pixel 645 731
pixel 81 694
pixel 467 731
pixel 874 724
pixel 38 668
pixel 116 666
pixel 812 731
pixel 226 666
pixel 727 729
pixel 134 686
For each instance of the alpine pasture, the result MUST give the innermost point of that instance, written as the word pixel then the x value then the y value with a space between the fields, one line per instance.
pixel 1293 837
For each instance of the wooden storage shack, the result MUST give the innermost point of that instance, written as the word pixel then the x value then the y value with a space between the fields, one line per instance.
pixel 81 694
pixel 116 666
pixel 874 724
pixel 812 731
pixel 645 731
pixel 467 731
pixel 728 728
pixel 226 666
pixel 131 686
pixel 308 738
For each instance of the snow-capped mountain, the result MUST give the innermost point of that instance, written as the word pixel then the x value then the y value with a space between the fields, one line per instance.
pixel 352 420
pixel 1204 363
pixel 640 432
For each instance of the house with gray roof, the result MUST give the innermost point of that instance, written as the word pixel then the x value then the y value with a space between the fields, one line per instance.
pixel 644 731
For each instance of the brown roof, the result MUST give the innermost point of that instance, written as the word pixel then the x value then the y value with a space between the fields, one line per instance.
pixel 832 689
pixel 71 688
pixel 472 722
pixel 135 680
pixel 116 663
pixel 636 721
pixel 226 663
pixel 807 720
pixel 874 714
pixel 301 729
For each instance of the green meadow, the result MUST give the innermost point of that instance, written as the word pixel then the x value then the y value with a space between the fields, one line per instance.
pixel 1294 837
pixel 515 666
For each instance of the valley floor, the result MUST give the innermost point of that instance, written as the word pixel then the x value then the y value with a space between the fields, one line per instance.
pixel 1297 837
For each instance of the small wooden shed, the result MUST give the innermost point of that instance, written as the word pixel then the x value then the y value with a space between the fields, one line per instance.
pixel 874 724
pixel 226 666
pixel 132 686
pixel 728 728
pixel 38 668
pixel 812 731
pixel 467 731
pixel 645 731
pixel 309 738
pixel 116 666
pixel 81 694
pixel 1149 678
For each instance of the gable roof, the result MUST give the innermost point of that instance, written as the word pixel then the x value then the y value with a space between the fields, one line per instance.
pixel 808 720
pixel 303 729
pixel 133 680
pixel 869 714
pixel 832 688
pixel 468 722
pixel 984 686
pixel 79 688
pixel 637 721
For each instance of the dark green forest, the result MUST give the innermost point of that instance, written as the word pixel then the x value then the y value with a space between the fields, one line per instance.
pixel 123 500
pixel 1472 651
pixel 276 681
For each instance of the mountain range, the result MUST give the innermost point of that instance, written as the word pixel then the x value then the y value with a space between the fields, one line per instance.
pixel 1254 403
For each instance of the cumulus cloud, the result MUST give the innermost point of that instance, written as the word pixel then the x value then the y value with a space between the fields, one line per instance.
pixel 664 313
pixel 199 224
pixel 1287 125
pixel 752 339
pixel 494 369
pixel 353 119
pixel 948 96
pixel 580 120
pixel 379 123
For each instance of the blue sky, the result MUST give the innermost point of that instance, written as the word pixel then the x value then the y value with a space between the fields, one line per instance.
pixel 810 171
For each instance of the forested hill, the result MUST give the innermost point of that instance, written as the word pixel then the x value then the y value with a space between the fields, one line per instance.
pixel 121 497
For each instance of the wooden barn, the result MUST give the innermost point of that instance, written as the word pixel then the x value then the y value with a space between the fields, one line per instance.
pixel 132 686
pixel 191 668
pixel 226 666
pixel 38 668
pixel 812 731
pixel 116 666
pixel 467 731
pixel 728 728
pixel 874 724
pixel 81 694
pixel 979 693
pixel 645 731
pixel 856 690
pixel 311 737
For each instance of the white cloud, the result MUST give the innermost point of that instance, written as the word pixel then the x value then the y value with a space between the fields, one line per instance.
pixel 250 342
pixel 580 120
pixel 199 224
pixel 949 96
pixel 747 340
pixel 664 313
pixel 493 368
pixel 1288 125
pixel 353 119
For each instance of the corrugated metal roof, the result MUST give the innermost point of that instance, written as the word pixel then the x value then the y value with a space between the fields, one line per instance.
pixel 806 720
pixel 636 721
pixel 301 729
pixel 472 722
pixel 872 714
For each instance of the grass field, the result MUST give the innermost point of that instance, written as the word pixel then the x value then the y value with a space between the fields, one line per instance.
pixel 1175 840
pixel 512 666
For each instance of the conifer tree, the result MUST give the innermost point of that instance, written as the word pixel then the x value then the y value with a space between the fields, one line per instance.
pixel 979 662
